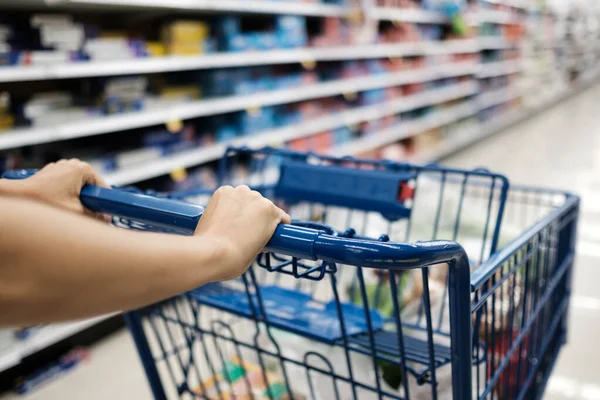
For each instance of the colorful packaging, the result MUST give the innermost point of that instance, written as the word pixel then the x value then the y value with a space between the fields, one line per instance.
pixel 245 381
pixel 185 37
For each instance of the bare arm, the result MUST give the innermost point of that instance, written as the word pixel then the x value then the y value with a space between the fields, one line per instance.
pixel 57 265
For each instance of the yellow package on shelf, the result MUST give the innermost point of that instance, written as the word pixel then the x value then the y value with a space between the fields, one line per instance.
pixel 185 49
pixel 6 121
pixel 185 32
pixel 156 49
pixel 190 92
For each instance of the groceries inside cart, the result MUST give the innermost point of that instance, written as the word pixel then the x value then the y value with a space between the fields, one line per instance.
pixel 395 281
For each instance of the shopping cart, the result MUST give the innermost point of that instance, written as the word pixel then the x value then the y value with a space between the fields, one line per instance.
pixel 350 303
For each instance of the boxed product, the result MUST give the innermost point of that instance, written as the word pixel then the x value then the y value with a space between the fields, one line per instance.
pixel 111 48
pixel 123 94
pixel 291 31
pixel 6 118
pixel 45 103
pixel 256 120
pixel 185 37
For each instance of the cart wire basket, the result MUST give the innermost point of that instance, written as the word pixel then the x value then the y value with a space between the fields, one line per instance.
pixel 368 294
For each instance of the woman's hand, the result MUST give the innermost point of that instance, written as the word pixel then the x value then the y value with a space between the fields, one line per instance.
pixel 57 184
pixel 240 222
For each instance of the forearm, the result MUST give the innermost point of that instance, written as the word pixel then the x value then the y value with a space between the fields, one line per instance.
pixel 56 266
pixel 14 188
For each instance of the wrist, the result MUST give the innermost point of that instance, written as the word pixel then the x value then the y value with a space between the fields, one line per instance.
pixel 222 256
pixel 15 188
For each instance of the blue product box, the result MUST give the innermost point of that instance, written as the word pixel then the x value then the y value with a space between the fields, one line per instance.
pixel 211 45
pixel 138 47
pixel 219 82
pixel 375 67
pixel 249 86
pixel 372 96
pixel 112 105
pixel 342 135
pixel 288 81
pixel 228 26
pixel 225 132
pixel 10 58
pixel 288 118
pixel 256 121
pixel 290 23
pixel 237 43
pixel 177 147
pixel 244 88
pixel 291 31
pixel 160 138
pixel 262 40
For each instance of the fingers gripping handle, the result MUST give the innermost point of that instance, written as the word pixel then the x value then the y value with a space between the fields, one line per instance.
pixel 290 240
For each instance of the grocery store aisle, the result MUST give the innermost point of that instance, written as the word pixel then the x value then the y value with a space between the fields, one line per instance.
pixel 559 148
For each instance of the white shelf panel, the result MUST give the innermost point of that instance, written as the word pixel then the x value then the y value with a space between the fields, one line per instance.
pixel 496 17
pixel 521 4
pixel 405 130
pixel 225 60
pixel 44 338
pixel 244 6
pixel 489 70
pixel 495 43
pixel 407 15
pixel 499 96
pixel 156 116
pixel 279 136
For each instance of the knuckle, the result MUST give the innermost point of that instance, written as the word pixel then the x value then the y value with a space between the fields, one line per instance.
pixel 224 189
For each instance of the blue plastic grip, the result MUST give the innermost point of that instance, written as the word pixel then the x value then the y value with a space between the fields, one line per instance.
pixel 175 215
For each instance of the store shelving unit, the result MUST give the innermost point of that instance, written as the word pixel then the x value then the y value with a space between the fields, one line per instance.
pixel 228 60
pixel 468 100
pixel 160 115
pixel 282 135
pixel 43 338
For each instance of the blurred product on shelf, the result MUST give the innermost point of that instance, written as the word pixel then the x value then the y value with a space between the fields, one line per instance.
pixel 65 364
pixel 121 95
pixel 185 38
pixel 7 120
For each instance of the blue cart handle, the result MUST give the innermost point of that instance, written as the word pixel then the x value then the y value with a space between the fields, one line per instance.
pixel 290 240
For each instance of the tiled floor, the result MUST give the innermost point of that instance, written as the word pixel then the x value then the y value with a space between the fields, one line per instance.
pixel 560 148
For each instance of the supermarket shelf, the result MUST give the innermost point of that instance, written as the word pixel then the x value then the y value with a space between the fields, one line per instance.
pixel 499 96
pixel 405 130
pixel 466 138
pixel 279 136
pixel 521 4
pixel 247 6
pixel 495 43
pixel 237 6
pixel 407 15
pixel 496 17
pixel 503 122
pixel 156 116
pixel 44 338
pixel 226 60
pixel 489 70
